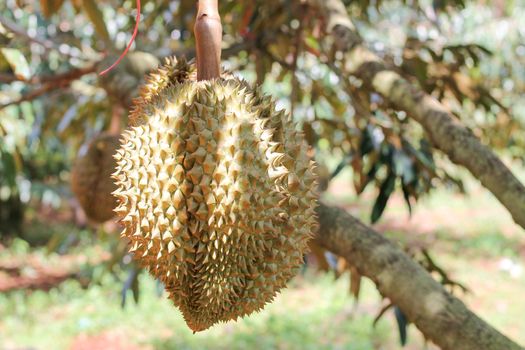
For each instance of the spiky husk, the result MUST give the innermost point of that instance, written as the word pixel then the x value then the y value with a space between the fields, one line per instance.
pixel 172 72
pixel 217 195
pixel 91 180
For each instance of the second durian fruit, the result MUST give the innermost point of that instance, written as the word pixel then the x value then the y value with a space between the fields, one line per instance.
pixel 216 192
pixel 91 180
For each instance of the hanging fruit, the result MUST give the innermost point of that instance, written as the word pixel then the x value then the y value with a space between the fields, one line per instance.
pixel 91 180
pixel 215 188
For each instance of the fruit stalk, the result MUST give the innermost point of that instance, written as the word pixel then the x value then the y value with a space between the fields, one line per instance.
pixel 116 120
pixel 208 37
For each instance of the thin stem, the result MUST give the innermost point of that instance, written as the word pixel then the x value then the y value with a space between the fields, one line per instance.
pixel 133 36
pixel 208 37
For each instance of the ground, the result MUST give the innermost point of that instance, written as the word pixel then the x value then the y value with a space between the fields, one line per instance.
pixel 472 237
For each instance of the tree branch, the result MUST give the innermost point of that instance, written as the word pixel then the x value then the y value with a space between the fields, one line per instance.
pixel 447 133
pixel 441 317
pixel 49 83
pixel 30 96
pixel 72 74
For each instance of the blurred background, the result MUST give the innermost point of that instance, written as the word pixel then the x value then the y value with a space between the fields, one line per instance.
pixel 66 281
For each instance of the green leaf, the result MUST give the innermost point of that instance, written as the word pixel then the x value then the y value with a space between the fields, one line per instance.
pixel 54 242
pixel 97 18
pixel 346 160
pixel 406 196
pixel 403 166
pixel 8 168
pixel 402 324
pixel 367 144
pixel 17 61
pixel 312 42
pixel 386 189
pixel 423 155
pixel 418 67
pixel 135 287
pixel 132 284
pixel 371 174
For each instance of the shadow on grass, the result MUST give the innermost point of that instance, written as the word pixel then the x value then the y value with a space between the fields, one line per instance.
pixel 290 330
pixel 315 312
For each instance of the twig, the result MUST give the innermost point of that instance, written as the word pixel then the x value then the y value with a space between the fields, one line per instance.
pixel 69 75
pixel 30 96
pixel 133 36
pixel 51 83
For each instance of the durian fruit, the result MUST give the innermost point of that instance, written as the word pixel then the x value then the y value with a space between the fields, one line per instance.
pixel 91 180
pixel 172 72
pixel 216 192
pixel 168 74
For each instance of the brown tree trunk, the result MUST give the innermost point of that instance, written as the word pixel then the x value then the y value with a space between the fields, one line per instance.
pixel 441 317
pixel 447 134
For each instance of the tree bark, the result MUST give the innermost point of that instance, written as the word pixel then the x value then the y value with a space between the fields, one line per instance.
pixel 441 317
pixel 445 131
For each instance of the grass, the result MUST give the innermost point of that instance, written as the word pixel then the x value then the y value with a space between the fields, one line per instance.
pixel 472 237
pixel 314 313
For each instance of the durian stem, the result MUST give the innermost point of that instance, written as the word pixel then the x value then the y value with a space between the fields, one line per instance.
pixel 116 120
pixel 208 37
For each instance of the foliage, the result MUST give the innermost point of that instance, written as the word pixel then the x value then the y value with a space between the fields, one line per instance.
pixel 281 45
pixel 468 55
